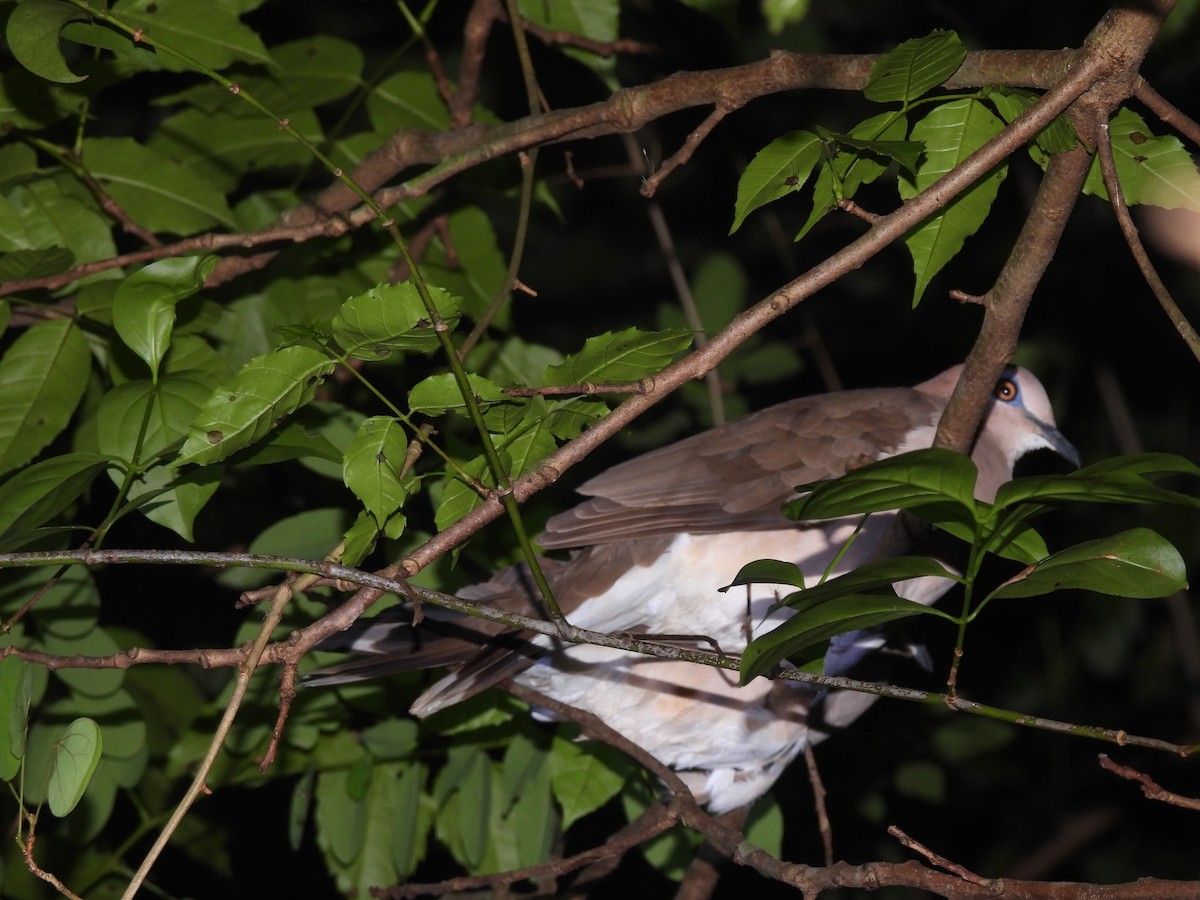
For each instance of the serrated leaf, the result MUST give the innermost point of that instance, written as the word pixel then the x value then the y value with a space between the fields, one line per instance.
pixel 439 394
pixel 904 153
pixel 1156 171
pixel 778 169
pixel 39 492
pixel 266 390
pixel 1138 563
pixel 531 439
pixel 916 66
pixel 209 33
pixel 143 309
pixel 372 467
pixel 391 317
pixel 1057 137
pixel 841 177
pixel 42 378
pixel 76 754
pixel 458 498
pixel 33 31
pixel 951 132
pixel 619 356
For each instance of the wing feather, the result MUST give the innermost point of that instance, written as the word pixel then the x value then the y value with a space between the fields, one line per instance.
pixel 736 477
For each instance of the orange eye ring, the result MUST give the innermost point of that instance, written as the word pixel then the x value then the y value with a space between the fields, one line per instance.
pixel 1006 390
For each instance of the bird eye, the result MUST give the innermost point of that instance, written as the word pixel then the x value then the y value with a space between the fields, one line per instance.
pixel 1006 390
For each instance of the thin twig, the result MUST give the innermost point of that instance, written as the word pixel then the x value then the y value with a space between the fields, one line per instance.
pixel 49 877
pixel 1112 182
pixel 1167 112
pixel 197 788
pixel 1150 787
pixel 818 787
pixel 683 291
pixel 943 863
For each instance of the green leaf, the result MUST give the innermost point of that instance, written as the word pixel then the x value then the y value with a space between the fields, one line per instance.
pixel 42 378
pixel 764 826
pixel 300 808
pixel 951 132
pixel 391 317
pixel 18 264
pixel 458 498
pixel 39 492
pixel 777 170
pixel 584 777
pixel 130 58
pixel 365 838
pixel 76 754
pixel 1138 563
pixel 619 356
pixel 906 153
pixel 1057 137
pixel 70 607
pixel 156 192
pixel 143 310
pixel 920 478
pixel 222 146
pixel 310 534
pixel 173 405
pixel 594 20
pixel 841 177
pixel 33 31
pixel 865 578
pixel 210 34
pixel 782 13
pixel 44 215
pixel 407 100
pixel 413 820
pixel 463 793
pixel 477 270
pixel 1156 171
pixel 92 683
pixel 439 394
pixel 534 436
pixel 266 390
pixel 813 627
pixel 14 715
pixel 916 66
pixel 1122 479
pixel 373 464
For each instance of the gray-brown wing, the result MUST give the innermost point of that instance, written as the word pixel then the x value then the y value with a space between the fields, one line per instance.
pixel 736 477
